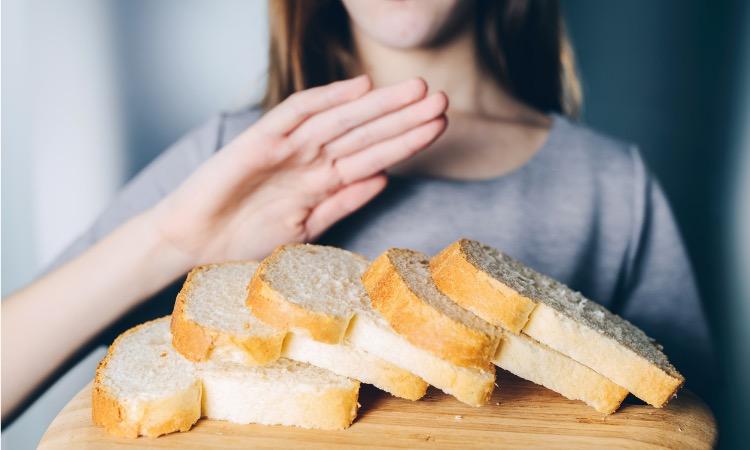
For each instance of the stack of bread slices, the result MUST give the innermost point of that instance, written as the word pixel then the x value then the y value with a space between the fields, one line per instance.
pixel 287 341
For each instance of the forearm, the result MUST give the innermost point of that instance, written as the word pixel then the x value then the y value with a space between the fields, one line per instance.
pixel 43 324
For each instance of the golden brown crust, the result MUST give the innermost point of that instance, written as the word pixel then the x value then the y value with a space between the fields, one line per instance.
pixel 108 412
pixel 477 291
pixel 334 410
pixel 420 323
pixel 401 383
pixel 190 339
pixel 195 342
pixel 271 307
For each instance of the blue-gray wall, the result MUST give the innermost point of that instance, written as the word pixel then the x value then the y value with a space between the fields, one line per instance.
pixel 673 76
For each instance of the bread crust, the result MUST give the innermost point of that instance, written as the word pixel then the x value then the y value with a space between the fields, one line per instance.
pixel 176 413
pixel 196 342
pixel 273 308
pixel 400 382
pixel 420 323
pixel 475 290
pixel 334 410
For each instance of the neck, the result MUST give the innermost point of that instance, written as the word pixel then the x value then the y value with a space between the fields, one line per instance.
pixel 451 67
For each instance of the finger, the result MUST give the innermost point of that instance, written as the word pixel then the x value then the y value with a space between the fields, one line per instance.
pixel 388 126
pixel 296 108
pixel 385 154
pixel 328 125
pixel 344 202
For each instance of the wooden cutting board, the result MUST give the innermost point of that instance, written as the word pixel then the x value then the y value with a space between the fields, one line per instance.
pixel 521 415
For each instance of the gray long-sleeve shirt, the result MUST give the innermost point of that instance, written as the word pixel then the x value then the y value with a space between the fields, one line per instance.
pixel 584 210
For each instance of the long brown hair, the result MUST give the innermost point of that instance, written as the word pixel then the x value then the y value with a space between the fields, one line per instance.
pixel 522 44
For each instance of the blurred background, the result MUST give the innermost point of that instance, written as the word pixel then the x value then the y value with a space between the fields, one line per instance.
pixel 92 90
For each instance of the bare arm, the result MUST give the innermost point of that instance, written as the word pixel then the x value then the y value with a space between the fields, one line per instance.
pixel 309 162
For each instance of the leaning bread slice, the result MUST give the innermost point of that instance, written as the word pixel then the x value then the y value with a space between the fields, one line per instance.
pixel 210 319
pixel 565 321
pixel 316 292
pixel 210 316
pixel 354 362
pixel 284 392
pixel 467 384
pixel 143 387
pixel 403 292
pixel 528 359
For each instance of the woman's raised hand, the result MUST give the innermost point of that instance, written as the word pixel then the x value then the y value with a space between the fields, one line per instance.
pixel 310 161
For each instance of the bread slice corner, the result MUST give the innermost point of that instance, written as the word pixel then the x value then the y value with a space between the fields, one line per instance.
pixel 464 277
pixel 401 289
pixel 210 316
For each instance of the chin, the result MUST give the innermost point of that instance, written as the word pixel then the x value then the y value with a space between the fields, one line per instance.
pixel 406 23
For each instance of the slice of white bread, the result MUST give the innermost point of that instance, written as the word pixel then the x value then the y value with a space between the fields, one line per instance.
pixel 143 387
pixel 562 319
pixel 403 292
pixel 528 359
pixel 284 392
pixel 467 384
pixel 458 277
pixel 349 360
pixel 211 318
pixel 316 292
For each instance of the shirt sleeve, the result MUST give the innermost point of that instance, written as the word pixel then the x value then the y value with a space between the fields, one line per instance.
pixel 149 186
pixel 659 292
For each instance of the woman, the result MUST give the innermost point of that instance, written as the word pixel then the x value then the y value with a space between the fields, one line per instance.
pixel 511 170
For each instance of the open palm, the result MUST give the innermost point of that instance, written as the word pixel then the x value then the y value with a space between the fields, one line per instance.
pixel 309 162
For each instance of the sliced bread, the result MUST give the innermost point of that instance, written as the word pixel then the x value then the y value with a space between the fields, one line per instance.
pixel 210 316
pixel 402 290
pixel 143 387
pixel 285 392
pixel 528 359
pixel 456 274
pixel 562 319
pixel 316 292
pixel 354 362
pixel 467 384
pixel 310 289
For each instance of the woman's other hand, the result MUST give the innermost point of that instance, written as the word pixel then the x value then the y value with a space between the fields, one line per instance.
pixel 310 161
